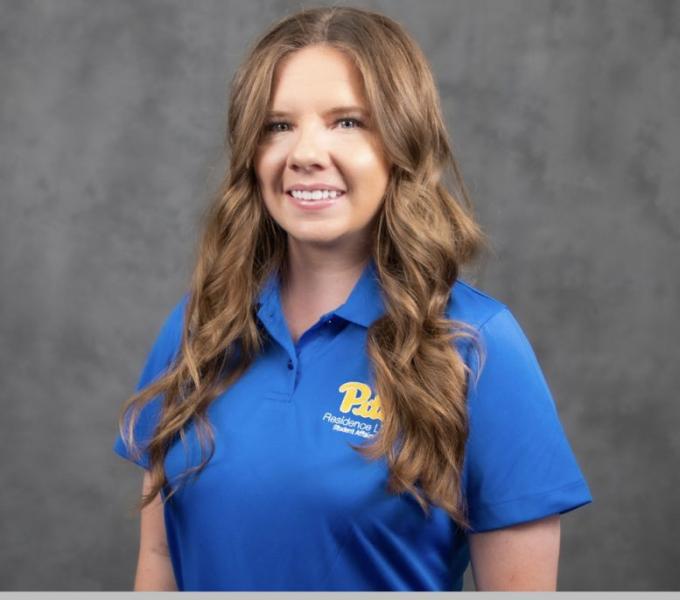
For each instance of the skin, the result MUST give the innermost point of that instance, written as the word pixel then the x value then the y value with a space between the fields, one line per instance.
pixel 327 253
pixel 154 567
pixel 523 557
pixel 327 249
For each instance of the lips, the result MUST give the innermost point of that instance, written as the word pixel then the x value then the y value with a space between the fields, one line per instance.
pixel 339 193
pixel 314 206
pixel 313 187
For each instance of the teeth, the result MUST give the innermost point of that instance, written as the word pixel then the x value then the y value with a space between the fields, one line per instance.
pixel 315 195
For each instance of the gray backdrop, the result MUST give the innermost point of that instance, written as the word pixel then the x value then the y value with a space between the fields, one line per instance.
pixel 565 119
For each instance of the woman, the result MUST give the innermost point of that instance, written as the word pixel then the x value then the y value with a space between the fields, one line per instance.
pixel 329 406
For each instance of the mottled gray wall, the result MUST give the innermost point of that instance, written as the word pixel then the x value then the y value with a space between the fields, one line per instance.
pixel 565 119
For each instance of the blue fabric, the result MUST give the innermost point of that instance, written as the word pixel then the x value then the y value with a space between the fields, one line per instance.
pixel 286 503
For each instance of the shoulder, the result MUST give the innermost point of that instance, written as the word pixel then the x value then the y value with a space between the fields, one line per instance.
pixel 171 329
pixel 167 343
pixel 175 317
pixel 471 305
pixel 497 332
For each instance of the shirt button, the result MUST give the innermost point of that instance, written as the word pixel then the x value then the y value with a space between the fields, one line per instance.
pixel 290 364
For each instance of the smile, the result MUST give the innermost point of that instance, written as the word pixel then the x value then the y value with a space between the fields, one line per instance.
pixel 316 194
pixel 311 201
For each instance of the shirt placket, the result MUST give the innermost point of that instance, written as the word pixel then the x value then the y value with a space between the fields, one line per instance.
pixel 291 354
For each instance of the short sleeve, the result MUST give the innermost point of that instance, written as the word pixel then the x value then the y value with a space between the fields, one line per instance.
pixel 519 465
pixel 162 353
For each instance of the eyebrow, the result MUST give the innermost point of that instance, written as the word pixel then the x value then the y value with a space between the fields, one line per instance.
pixel 332 111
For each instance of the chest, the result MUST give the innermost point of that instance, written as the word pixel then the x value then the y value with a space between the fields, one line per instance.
pixel 285 482
pixel 289 425
pixel 298 322
pixel 300 311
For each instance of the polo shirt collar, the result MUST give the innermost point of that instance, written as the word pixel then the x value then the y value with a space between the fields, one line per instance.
pixel 363 306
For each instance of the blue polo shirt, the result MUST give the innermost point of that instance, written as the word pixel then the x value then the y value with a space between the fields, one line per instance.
pixel 286 503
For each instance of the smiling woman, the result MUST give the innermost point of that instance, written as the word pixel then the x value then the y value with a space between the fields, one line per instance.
pixel 330 406
pixel 322 147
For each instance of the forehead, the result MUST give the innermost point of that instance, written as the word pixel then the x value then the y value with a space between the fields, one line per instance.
pixel 325 74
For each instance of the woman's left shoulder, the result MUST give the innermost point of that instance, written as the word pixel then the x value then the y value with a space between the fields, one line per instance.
pixel 472 305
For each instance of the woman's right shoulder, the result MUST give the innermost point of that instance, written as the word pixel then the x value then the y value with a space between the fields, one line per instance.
pixel 175 316
pixel 169 336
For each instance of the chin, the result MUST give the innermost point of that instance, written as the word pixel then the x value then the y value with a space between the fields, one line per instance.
pixel 316 235
pixel 320 240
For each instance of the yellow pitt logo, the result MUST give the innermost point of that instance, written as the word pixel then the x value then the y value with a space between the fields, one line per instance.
pixel 357 399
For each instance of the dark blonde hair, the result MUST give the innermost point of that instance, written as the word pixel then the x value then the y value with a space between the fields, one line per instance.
pixel 424 232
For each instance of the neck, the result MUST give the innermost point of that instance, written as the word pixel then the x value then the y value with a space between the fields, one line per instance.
pixel 321 278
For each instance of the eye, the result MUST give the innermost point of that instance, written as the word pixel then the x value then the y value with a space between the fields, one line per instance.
pixel 271 127
pixel 353 120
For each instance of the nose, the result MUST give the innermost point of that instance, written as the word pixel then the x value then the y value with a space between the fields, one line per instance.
pixel 308 149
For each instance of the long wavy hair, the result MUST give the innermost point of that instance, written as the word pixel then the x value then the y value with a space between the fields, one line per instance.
pixel 424 232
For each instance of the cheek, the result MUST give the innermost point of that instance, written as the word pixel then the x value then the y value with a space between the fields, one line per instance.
pixel 264 174
pixel 268 165
pixel 365 159
pixel 369 167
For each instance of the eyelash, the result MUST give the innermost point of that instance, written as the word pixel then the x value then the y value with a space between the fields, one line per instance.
pixel 269 127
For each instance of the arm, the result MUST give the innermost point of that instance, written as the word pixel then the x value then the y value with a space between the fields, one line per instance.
pixel 522 557
pixel 154 569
